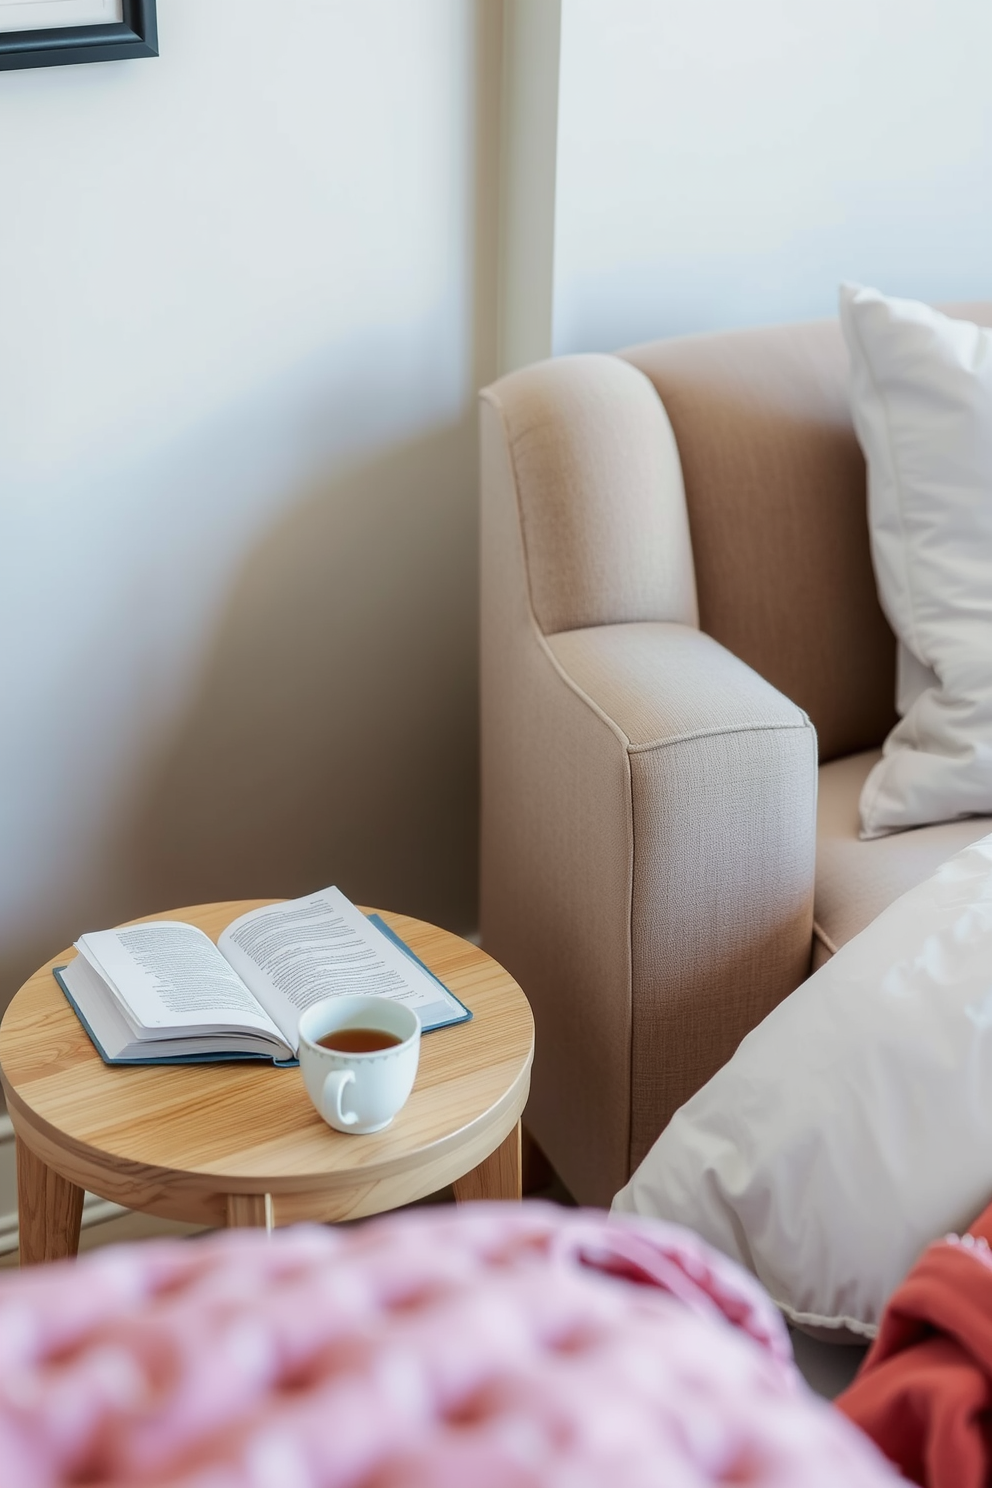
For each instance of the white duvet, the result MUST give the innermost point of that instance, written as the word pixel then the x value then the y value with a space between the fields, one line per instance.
pixel 854 1125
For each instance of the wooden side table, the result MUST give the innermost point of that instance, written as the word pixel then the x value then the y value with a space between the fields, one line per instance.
pixel 240 1144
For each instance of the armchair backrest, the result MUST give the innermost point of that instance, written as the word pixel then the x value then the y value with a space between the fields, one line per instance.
pixel 775 490
pixel 733 499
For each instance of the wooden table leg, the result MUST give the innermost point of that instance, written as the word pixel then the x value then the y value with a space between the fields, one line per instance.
pixel 249 1212
pixel 49 1210
pixel 497 1176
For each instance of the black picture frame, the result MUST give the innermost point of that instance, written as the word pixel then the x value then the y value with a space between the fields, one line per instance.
pixel 135 36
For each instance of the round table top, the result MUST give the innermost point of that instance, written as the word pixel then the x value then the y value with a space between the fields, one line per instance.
pixel 177 1139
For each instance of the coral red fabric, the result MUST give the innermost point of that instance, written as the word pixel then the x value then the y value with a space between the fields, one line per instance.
pixel 924 1392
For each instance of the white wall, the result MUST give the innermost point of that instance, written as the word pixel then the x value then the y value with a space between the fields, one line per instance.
pixel 247 291
pixel 724 164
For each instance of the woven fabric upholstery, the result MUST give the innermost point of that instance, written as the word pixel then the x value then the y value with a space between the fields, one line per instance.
pixel 648 812
pixel 775 488
pixel 495 1347
pixel 856 880
pixel 721 851
pixel 676 588
pixel 601 505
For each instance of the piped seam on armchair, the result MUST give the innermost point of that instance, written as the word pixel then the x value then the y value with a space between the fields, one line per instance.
pixel 717 732
pixel 821 935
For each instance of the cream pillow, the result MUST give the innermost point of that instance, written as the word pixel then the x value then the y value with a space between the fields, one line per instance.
pixel 854 1125
pixel 921 397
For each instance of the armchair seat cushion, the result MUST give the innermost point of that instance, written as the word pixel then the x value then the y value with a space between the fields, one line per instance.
pixel 855 879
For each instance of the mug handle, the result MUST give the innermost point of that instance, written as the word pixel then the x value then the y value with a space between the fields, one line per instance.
pixel 334 1088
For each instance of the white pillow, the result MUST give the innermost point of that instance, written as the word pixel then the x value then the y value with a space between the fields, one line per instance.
pixel 921 397
pixel 854 1125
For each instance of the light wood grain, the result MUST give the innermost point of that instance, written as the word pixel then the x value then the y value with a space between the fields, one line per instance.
pixel 49 1211
pixel 498 1176
pixel 180 1141
pixel 249 1211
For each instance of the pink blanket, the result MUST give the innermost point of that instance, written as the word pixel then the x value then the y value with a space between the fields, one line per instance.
pixel 484 1347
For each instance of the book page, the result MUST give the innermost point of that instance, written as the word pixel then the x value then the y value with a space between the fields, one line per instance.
pixel 295 954
pixel 170 975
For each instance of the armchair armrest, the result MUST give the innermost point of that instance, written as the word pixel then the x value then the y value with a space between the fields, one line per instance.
pixel 648 876
pixel 648 801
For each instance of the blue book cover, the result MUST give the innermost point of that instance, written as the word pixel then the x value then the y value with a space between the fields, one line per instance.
pixel 437 1015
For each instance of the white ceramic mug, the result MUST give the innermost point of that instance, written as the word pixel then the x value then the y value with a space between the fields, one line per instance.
pixel 359 1092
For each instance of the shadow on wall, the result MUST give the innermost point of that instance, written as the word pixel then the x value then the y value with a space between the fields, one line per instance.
pixel 329 733
pixel 333 735
pixel 272 683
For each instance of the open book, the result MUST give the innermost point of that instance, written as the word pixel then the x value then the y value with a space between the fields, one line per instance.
pixel 164 992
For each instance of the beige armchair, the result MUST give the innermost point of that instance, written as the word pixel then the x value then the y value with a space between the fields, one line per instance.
pixel 678 606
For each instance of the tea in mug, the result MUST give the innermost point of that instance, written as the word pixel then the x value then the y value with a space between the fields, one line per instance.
pixel 358 1040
